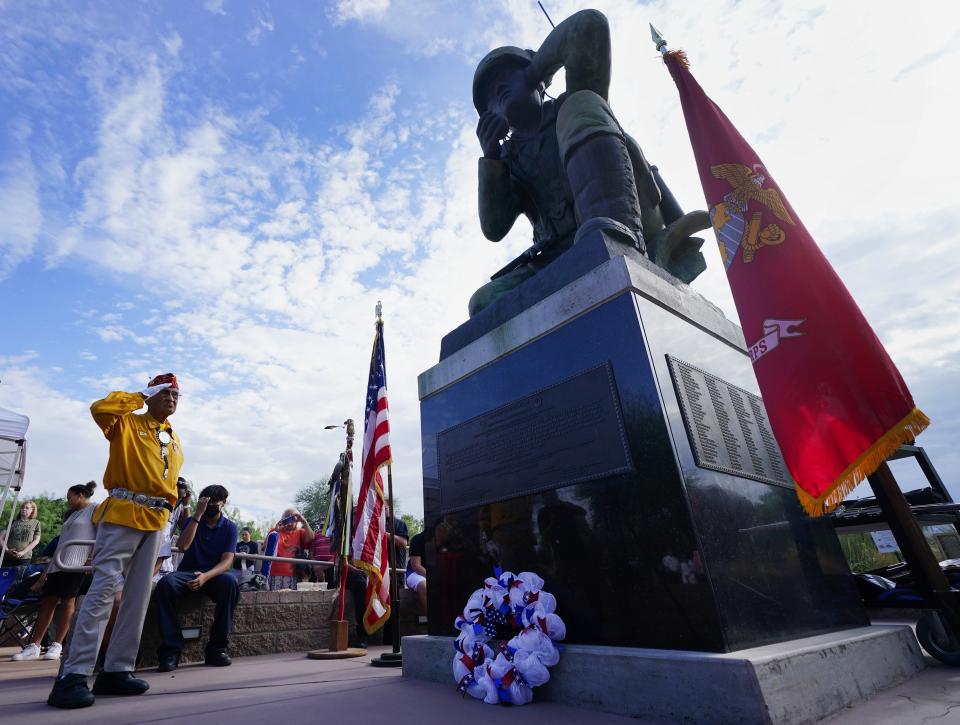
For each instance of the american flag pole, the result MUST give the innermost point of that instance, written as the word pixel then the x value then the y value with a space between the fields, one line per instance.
pixel 394 594
pixel 393 659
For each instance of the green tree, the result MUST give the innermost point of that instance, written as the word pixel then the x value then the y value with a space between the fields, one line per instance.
pixel 233 513
pixel 862 555
pixel 414 525
pixel 258 529
pixel 313 500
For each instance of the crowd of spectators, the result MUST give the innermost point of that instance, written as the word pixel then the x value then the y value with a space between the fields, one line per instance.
pixel 199 551
pixel 150 545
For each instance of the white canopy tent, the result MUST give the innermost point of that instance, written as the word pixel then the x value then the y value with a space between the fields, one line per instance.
pixel 13 458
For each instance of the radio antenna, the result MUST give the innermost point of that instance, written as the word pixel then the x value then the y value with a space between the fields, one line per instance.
pixel 545 13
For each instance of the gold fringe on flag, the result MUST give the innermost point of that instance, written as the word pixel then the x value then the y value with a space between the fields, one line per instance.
pixel 372 572
pixel 869 461
pixel 373 577
pixel 678 55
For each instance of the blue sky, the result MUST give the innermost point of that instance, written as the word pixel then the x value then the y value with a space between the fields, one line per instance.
pixel 225 189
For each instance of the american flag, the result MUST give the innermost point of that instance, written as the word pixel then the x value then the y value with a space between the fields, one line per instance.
pixel 370 539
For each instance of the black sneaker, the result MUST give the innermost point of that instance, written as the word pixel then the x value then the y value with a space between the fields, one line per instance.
pixel 168 663
pixel 71 691
pixel 119 683
pixel 218 658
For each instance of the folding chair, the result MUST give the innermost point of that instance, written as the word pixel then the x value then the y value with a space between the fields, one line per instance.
pixel 18 607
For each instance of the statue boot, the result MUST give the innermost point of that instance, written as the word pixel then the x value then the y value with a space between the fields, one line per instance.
pixel 595 156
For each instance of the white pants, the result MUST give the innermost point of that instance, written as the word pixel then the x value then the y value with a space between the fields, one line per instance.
pixel 119 550
pixel 414 579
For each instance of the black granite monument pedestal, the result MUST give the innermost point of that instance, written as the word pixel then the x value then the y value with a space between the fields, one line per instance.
pixel 608 436
pixel 600 425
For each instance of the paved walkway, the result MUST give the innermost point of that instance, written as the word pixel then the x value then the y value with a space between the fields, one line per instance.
pixel 283 688
pixel 292 689
pixel 932 696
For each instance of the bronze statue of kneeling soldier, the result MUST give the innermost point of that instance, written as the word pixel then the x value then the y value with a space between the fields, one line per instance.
pixel 567 164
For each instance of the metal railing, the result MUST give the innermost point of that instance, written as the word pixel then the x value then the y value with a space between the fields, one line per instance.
pixel 90 542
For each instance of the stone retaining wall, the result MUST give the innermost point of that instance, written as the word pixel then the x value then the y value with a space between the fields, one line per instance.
pixel 269 622
pixel 266 623
pixel 263 623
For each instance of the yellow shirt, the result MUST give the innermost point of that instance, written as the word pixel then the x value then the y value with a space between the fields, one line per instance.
pixel 135 463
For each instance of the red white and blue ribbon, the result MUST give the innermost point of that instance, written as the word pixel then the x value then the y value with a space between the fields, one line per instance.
pixel 514 609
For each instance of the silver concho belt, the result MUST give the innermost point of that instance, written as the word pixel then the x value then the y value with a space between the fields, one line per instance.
pixel 157 503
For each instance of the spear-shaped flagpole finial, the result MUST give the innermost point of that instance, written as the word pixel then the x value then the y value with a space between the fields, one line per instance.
pixel 379 310
pixel 658 39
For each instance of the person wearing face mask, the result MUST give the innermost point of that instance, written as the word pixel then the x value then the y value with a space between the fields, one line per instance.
pixel 141 482
pixel 208 542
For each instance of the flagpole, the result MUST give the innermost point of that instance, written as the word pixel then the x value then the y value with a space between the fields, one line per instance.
pixel 394 658
pixel 931 580
pixel 347 516
pixel 343 547
pixel 394 594
pixel 339 628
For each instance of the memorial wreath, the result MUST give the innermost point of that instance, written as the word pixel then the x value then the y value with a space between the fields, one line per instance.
pixel 514 609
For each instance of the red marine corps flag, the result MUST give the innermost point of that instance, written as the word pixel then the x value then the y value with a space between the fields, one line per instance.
pixel 837 404
pixel 370 538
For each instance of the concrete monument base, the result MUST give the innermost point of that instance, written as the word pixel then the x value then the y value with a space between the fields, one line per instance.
pixel 792 682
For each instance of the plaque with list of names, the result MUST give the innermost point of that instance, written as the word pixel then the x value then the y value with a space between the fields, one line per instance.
pixel 727 426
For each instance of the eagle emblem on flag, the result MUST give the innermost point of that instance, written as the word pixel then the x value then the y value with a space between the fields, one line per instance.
pixel 838 406
pixel 730 224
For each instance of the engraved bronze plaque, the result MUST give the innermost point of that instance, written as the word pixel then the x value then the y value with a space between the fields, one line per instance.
pixel 727 426
pixel 567 433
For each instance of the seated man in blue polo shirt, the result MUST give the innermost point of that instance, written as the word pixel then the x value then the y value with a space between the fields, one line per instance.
pixel 208 540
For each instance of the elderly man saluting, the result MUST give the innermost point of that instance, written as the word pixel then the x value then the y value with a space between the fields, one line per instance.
pixel 141 479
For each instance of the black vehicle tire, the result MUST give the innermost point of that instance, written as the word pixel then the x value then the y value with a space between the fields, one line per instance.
pixel 946 652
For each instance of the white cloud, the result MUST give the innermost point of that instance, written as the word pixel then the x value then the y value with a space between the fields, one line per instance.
pixel 445 26
pixel 362 10
pixel 114 333
pixel 172 43
pixel 20 211
pixel 263 23
pixel 271 250
pixel 264 292
pixel 65 446
pixel 214 6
